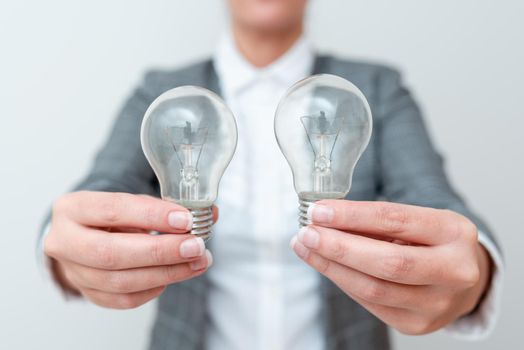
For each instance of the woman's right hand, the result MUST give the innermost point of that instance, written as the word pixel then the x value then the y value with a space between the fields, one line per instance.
pixel 101 247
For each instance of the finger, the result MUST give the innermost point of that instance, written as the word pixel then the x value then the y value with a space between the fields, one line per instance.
pixel 405 222
pixel 104 209
pixel 408 320
pixel 215 213
pixel 121 300
pixel 117 251
pixel 405 321
pixel 138 279
pixel 384 260
pixel 141 230
pixel 214 208
pixel 363 286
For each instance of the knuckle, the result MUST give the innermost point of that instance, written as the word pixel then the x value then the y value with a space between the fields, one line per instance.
pixel 128 301
pixel 464 228
pixel 395 266
pixel 83 194
pixel 405 329
pixel 71 277
pixel 469 274
pixel 417 326
pixel 393 218
pixel 337 251
pixel 109 213
pixel 322 265
pixel 159 253
pixel 118 282
pixel 50 245
pixel 58 205
pixel 374 292
pixel 171 274
pixel 151 215
pixel 469 230
pixel 105 253
pixel 448 212
pixel 158 292
pixel 319 263
pixel 111 208
pixel 62 204
pixel 424 326
pixel 442 305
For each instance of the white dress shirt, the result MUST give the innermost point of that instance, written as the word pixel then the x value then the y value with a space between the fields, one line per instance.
pixel 261 295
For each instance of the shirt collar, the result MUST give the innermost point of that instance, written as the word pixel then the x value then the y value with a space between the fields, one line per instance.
pixel 236 73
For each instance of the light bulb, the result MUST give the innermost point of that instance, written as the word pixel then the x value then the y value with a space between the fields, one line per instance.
pixel 322 125
pixel 189 136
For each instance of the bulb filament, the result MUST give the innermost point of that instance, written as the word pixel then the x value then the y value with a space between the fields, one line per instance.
pixel 322 134
pixel 188 143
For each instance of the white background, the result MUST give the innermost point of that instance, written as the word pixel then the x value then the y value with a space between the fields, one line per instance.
pixel 66 66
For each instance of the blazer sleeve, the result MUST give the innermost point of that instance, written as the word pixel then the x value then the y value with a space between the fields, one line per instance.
pixel 411 171
pixel 120 165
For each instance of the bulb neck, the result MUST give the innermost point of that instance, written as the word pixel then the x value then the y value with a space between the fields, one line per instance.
pixel 202 222
pixel 303 207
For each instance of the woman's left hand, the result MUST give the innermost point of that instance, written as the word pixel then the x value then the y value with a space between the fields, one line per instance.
pixel 415 268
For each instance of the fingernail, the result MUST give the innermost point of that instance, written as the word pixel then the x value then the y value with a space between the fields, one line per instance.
pixel 209 258
pixel 192 247
pixel 292 242
pixel 181 220
pixel 321 214
pixel 202 263
pixel 309 237
pixel 299 248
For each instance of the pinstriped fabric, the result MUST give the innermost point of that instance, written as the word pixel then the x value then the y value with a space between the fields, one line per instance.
pixel 181 318
pixel 400 165
pixel 348 325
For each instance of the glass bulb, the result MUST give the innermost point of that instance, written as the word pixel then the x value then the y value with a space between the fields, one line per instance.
pixel 189 136
pixel 322 125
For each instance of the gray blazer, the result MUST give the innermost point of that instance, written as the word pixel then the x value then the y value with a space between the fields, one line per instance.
pixel 399 165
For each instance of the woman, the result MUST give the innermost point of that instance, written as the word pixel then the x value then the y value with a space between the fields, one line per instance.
pixel 260 293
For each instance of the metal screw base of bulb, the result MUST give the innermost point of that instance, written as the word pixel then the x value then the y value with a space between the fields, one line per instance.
pixel 304 205
pixel 202 222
